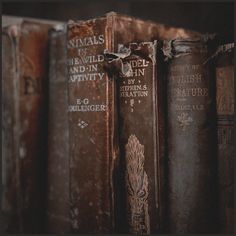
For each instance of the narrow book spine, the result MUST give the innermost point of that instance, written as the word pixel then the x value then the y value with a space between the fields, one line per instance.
pixel 58 136
pixel 191 121
pixel 138 135
pixel 10 167
pixel 91 95
pixel 32 92
pixel 225 111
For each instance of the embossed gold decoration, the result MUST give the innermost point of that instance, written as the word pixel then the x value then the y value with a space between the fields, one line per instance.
pixel 184 119
pixel 137 187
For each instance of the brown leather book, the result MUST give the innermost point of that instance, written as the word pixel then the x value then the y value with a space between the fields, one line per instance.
pixel 141 135
pixel 25 78
pixel 58 211
pixel 191 137
pixel 93 126
pixel 225 111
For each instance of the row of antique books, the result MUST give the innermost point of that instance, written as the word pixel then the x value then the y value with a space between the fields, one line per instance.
pixel 116 125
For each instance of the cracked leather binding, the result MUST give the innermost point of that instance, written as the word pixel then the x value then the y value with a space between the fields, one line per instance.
pixel 191 136
pixel 225 111
pixel 58 136
pixel 92 116
pixel 25 78
pixel 141 135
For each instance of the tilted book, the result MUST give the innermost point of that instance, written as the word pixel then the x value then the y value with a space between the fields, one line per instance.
pixel 93 129
pixel 25 78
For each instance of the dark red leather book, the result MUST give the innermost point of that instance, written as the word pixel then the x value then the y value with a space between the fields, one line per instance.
pixel 141 126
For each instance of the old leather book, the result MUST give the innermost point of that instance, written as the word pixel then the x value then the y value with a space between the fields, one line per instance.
pixel 94 151
pixel 225 112
pixel 192 159
pixel 140 117
pixel 58 211
pixel 25 78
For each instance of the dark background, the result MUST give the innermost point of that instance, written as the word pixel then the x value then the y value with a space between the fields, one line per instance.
pixel 213 17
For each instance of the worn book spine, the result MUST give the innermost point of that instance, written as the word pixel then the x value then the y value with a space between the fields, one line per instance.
pixel 9 204
pixel 26 83
pixel 192 159
pixel 225 122
pixel 58 210
pixel 91 127
pixel 139 136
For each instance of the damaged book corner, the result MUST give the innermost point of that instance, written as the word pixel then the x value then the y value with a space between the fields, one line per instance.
pixel 110 126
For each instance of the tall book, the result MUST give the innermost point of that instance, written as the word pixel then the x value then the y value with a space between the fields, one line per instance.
pixel 191 120
pixel 141 133
pixel 58 212
pixel 24 134
pixel 93 131
pixel 225 111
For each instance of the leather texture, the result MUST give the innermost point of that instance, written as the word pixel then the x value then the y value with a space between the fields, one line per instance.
pixel 192 159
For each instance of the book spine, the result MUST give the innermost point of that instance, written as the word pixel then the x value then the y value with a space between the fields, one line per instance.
pixel 225 112
pixel 138 136
pixel 192 178
pixel 29 130
pixel 10 165
pixel 91 127
pixel 33 95
pixel 58 136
